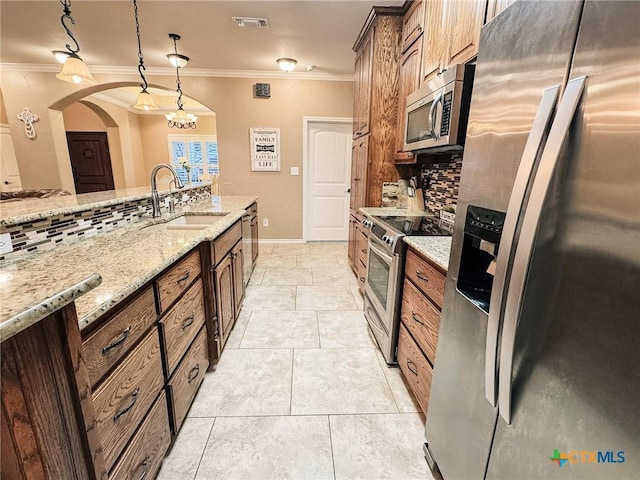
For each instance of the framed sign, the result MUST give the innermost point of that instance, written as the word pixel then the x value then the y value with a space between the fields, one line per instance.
pixel 265 149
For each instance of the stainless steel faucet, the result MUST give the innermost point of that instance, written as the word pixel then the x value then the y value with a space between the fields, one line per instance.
pixel 155 198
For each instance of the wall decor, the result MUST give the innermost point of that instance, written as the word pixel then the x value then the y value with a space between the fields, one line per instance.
pixel 29 119
pixel 262 90
pixel 265 149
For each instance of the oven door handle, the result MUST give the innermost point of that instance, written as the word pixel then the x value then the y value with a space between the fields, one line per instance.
pixel 381 253
pixel 433 116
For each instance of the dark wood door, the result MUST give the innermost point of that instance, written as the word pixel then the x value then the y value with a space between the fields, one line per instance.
pixel 223 275
pixel 90 161
pixel 238 276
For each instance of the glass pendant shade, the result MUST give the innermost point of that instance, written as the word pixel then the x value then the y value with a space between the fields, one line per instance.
pixel 177 60
pixel 74 70
pixel 145 101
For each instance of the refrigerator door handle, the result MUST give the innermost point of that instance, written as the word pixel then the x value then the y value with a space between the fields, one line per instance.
pixel 532 150
pixel 524 250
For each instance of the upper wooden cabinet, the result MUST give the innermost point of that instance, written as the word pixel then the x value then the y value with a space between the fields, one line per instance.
pixel 376 83
pixel 362 88
pixel 452 33
pixel 409 82
pixel 412 24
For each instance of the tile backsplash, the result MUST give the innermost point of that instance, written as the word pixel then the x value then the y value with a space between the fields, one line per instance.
pixel 443 180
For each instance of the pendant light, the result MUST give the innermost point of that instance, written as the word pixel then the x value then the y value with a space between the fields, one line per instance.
pixel 74 70
pixel 179 118
pixel 145 100
pixel 287 64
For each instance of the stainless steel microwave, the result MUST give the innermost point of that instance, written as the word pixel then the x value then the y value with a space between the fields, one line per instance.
pixel 438 112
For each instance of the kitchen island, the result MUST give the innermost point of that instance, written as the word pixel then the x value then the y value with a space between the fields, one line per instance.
pixel 106 339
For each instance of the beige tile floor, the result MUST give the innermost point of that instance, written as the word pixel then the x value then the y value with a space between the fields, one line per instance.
pixel 301 391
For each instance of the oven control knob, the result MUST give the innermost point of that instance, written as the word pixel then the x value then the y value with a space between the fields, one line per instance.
pixel 387 239
pixel 367 223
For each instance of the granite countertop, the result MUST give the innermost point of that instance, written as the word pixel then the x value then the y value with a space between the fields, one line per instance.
pixel 436 249
pixel 392 211
pixel 31 209
pixel 101 271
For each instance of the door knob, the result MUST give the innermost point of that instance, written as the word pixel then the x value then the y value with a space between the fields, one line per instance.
pixel 348 190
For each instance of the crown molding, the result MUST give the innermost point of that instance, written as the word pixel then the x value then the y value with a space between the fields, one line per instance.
pixel 188 72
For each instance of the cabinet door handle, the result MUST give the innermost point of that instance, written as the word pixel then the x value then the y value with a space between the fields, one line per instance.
pixel 184 277
pixel 421 276
pixel 145 468
pixel 362 279
pixel 193 374
pixel 363 250
pixel 416 318
pixel 117 340
pixel 412 370
pixel 134 399
pixel 188 322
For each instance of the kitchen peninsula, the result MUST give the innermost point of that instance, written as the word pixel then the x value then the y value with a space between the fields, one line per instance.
pixel 106 339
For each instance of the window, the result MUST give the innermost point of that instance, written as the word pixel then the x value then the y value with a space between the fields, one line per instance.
pixel 198 152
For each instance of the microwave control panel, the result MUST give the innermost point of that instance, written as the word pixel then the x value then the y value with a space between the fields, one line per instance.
pixel 446 114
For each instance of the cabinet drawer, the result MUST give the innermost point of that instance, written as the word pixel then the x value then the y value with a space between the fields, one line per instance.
pixel 429 280
pixel 143 456
pixel 414 367
pixel 253 209
pixel 105 347
pixel 363 248
pixel 421 318
pixel 177 279
pixel 185 382
pixel 222 245
pixel 361 273
pixel 181 324
pixel 124 398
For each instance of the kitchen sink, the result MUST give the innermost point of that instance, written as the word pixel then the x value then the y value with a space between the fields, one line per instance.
pixel 186 222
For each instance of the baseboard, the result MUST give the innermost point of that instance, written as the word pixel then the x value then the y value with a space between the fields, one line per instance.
pixel 281 240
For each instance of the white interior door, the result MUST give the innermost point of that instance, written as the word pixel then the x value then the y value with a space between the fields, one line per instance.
pixel 328 178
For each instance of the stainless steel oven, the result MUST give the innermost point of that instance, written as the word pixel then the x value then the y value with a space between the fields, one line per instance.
pixel 385 273
pixel 383 286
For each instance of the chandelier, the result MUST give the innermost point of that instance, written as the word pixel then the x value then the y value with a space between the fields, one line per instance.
pixel 74 70
pixel 179 118
pixel 145 100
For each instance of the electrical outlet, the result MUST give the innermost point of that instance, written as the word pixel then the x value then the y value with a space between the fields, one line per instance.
pixel 265 222
pixel 6 246
pixel 295 171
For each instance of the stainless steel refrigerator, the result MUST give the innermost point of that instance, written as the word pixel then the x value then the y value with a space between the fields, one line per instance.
pixel 537 371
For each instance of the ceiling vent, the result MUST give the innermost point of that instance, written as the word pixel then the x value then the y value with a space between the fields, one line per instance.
pixel 251 22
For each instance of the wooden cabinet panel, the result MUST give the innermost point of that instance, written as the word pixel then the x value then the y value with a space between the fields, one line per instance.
pixel 118 334
pixel 412 24
pixel 362 88
pixel 122 401
pixel 254 240
pixel 223 279
pixel 362 246
pixel 409 82
pixel 177 279
pixel 187 379
pixel 181 324
pixel 466 19
pixel 226 241
pixel 426 277
pixel 352 247
pixel 435 39
pixel 238 276
pixel 421 318
pixel 359 160
pixel 144 455
pixel 414 367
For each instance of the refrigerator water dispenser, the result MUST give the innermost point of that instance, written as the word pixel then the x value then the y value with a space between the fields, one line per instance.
pixel 482 231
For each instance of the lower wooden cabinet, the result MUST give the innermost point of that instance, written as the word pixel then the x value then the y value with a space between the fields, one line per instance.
pixel 238 277
pixel 223 281
pixel 122 401
pixel 415 367
pixel 186 380
pixel 422 295
pixel 143 456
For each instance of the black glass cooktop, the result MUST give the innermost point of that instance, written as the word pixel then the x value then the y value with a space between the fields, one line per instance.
pixel 418 226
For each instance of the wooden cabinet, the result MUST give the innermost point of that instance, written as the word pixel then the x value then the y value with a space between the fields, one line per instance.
pixel 409 82
pixel 362 88
pixel 223 280
pixel 359 160
pixel 378 49
pixel 117 336
pixel 353 241
pixel 422 297
pixel 452 34
pixel 238 277
pixel 412 24
pixel 175 281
